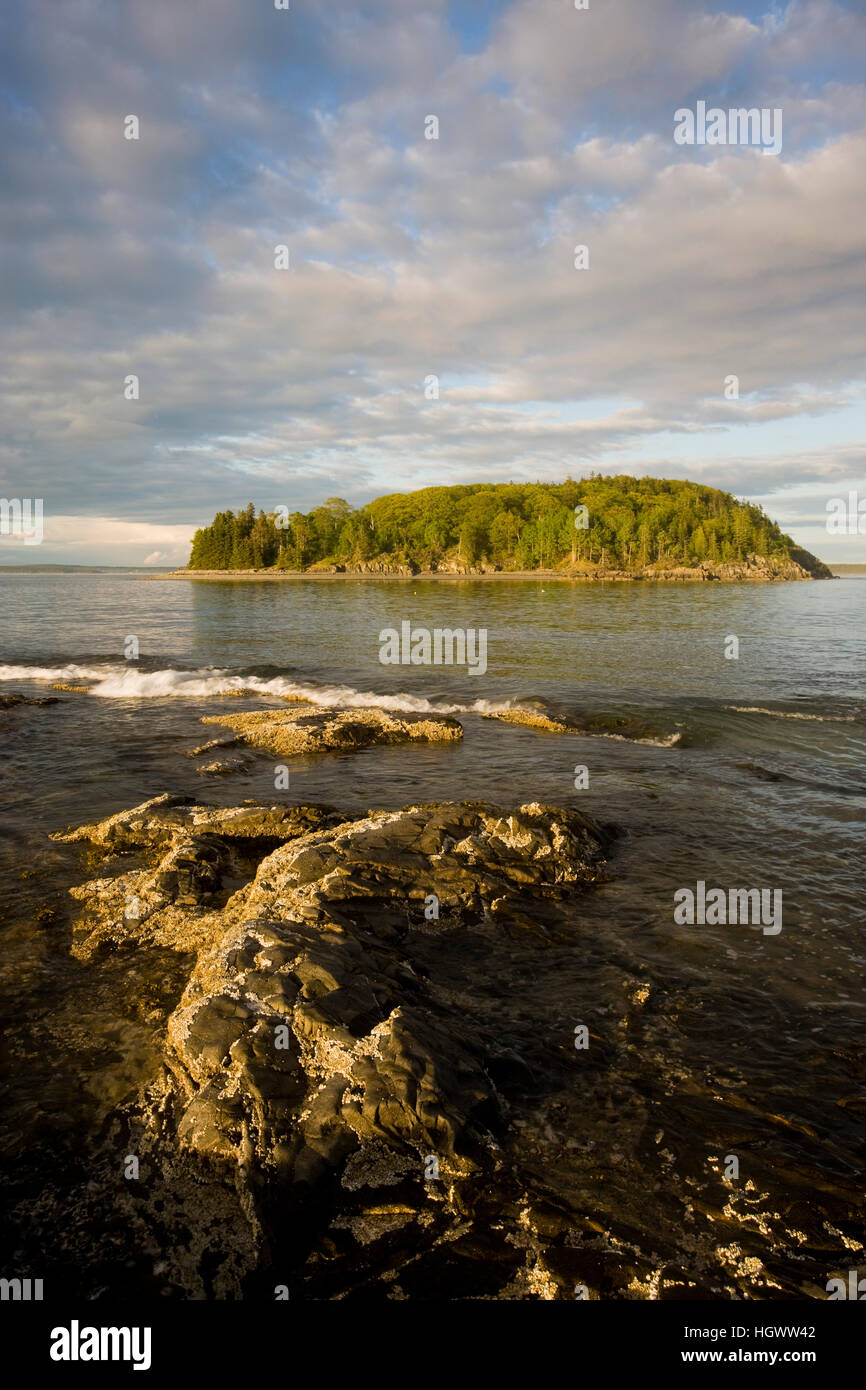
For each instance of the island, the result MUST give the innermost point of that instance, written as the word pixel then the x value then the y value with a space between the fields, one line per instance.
pixel 612 528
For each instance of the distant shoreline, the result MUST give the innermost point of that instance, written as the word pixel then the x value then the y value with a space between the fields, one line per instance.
pixel 150 570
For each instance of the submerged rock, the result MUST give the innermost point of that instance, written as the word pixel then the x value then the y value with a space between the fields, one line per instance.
pixel 289 731
pixel 10 701
pixel 213 743
pixel 626 727
pixel 533 719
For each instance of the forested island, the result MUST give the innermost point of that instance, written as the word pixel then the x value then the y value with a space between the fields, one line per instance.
pixel 615 526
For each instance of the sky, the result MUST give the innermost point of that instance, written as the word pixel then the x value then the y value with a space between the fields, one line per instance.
pixel 411 258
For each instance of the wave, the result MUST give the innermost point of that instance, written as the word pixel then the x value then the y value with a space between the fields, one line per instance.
pixel 111 682
pixel 791 714
pixel 131 683
pixel 652 741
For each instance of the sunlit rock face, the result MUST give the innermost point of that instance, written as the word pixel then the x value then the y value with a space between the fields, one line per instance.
pixel 342 1051
pixel 291 731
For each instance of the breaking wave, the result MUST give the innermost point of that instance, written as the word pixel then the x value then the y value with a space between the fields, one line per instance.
pixel 131 683
pixel 111 682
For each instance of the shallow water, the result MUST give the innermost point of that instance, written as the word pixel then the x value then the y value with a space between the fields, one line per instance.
pixel 741 773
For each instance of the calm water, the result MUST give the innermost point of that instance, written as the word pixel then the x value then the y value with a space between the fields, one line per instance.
pixel 743 773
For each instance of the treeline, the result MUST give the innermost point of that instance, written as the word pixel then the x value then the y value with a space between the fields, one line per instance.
pixel 629 523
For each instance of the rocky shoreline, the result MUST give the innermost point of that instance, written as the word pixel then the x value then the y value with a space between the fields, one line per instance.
pixel 397 1056
pixel 411 1054
pixel 338 1070
pixel 754 569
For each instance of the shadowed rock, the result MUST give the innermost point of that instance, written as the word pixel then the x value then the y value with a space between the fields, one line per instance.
pixel 10 701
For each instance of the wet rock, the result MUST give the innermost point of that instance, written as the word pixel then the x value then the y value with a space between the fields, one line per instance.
pixel 285 732
pixel 532 719
pixel 634 729
pixel 10 701
pixel 324 1048
pixel 213 743
pixel 188 851
pixel 158 821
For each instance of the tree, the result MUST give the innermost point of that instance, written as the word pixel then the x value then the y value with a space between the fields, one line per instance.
pixel 472 540
pixel 356 541
pixel 633 521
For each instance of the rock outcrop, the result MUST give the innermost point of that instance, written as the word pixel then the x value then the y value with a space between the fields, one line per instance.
pixel 754 569
pixel 190 854
pixel 332 1062
pixel 289 731
pixel 410 1055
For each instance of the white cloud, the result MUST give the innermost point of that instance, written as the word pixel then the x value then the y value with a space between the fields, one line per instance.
pixel 82 540
pixel 413 257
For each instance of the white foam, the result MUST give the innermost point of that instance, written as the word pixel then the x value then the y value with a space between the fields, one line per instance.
pixel 131 683
pixel 128 682
pixel 792 714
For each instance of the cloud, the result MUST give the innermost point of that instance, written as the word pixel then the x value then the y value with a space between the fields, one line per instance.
pixel 412 257
pixel 77 540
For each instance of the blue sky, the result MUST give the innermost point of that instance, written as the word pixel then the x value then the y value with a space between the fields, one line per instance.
pixel 412 257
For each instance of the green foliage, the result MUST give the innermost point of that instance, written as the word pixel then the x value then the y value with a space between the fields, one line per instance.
pixel 632 522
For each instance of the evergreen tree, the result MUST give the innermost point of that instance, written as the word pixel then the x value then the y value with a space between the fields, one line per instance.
pixel 633 522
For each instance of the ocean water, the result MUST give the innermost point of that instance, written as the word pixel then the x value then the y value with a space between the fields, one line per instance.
pixel 741 773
